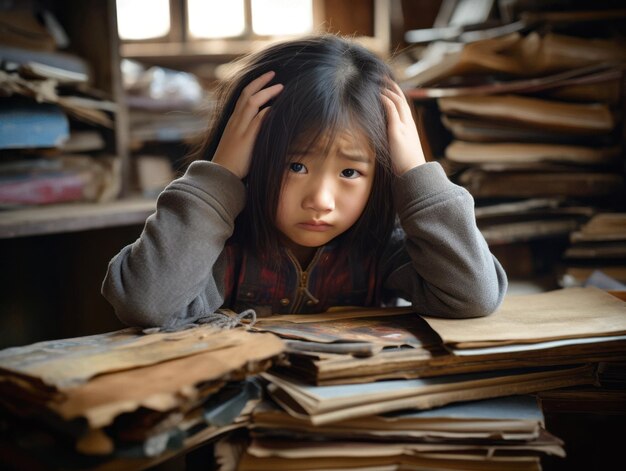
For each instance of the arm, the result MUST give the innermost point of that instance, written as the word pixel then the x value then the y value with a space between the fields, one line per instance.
pixel 174 273
pixel 170 275
pixel 444 267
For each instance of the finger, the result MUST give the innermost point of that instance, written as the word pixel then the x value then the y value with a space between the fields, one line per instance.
pixel 256 122
pixel 392 111
pixel 400 103
pixel 256 101
pixel 395 100
pixel 258 84
pixel 254 86
pixel 396 88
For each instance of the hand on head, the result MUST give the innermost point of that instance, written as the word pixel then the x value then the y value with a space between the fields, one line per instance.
pixel 404 142
pixel 235 148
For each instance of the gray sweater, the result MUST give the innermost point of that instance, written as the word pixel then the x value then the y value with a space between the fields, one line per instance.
pixel 174 273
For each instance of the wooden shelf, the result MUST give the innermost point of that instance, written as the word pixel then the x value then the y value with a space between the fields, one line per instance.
pixel 74 217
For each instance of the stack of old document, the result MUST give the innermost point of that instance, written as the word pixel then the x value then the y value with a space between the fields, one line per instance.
pixel 597 253
pixel 127 398
pixel 528 114
pixel 561 327
pixel 349 371
pixel 503 433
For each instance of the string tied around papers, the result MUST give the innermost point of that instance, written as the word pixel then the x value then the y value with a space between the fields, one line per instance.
pixel 220 319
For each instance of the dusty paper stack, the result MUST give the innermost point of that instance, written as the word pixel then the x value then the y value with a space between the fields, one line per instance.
pixel 504 433
pixel 533 343
pixel 531 118
pixel 364 345
pixel 597 253
pixel 128 399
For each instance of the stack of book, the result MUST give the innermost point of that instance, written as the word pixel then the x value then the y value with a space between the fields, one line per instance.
pixel 127 400
pixel 53 123
pixel 354 381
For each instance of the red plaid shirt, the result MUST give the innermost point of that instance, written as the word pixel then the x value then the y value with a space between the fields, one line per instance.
pixel 334 277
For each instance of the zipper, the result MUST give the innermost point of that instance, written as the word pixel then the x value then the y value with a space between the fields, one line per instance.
pixel 303 292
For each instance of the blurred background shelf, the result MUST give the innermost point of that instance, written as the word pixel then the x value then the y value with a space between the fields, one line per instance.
pixel 72 217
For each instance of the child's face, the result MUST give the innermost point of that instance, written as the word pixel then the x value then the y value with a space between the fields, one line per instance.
pixel 323 195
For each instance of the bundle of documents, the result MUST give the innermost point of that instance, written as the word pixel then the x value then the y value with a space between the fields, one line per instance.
pixel 364 345
pixel 528 111
pixel 530 219
pixel 533 164
pixel 597 253
pixel 349 387
pixel 359 388
pixel 328 404
pixel 504 433
pixel 126 395
pixel 507 55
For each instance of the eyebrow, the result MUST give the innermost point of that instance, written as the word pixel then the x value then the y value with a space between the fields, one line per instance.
pixel 353 154
pixel 356 156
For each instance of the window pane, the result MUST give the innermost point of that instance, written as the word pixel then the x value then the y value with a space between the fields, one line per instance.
pixel 216 18
pixel 143 19
pixel 280 17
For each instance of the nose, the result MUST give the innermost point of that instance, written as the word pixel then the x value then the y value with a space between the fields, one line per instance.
pixel 319 195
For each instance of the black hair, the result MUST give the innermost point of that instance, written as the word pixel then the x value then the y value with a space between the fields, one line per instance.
pixel 331 83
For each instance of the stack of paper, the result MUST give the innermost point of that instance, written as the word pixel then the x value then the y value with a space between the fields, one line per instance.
pixel 359 346
pixel 520 167
pixel 527 115
pixel 126 394
pixel 505 433
pixel 530 219
pixel 327 404
pixel 598 247
pixel 363 389
pixel 566 317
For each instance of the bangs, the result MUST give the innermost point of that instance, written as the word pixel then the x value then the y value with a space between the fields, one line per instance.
pixel 318 138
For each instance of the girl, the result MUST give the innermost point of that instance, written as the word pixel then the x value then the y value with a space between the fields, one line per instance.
pixel 312 191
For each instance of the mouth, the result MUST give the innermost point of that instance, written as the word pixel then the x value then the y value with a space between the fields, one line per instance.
pixel 315 226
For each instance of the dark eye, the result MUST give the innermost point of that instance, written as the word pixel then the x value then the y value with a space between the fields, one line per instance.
pixel 350 173
pixel 297 167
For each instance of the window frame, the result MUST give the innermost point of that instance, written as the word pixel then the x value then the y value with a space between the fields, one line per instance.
pixel 179 42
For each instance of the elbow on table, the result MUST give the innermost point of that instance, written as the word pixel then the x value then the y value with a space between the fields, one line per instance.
pixel 481 307
pixel 484 300
pixel 467 308
pixel 479 302
pixel 137 305
pixel 134 311
pixel 140 314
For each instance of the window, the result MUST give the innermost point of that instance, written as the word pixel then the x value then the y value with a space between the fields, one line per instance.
pixel 196 20
pixel 154 25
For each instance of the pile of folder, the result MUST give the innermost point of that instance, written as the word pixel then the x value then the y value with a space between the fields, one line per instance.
pixel 354 385
pixel 128 399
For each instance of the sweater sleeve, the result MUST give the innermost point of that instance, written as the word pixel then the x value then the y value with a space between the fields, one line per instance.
pixel 442 263
pixel 173 273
